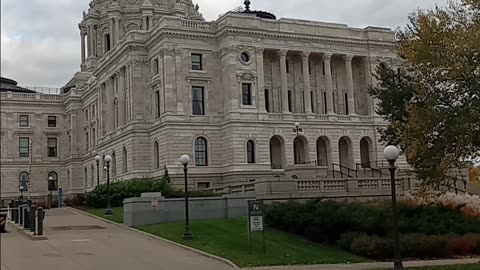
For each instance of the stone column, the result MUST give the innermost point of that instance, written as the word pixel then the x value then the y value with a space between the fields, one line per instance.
pixel 112 42
pixel 169 80
pixel 350 90
pixel 121 98
pixel 260 80
pixel 306 82
pixel 110 111
pixel 82 36
pixel 117 30
pixel 284 79
pixel 89 40
pixel 327 60
pixel 144 23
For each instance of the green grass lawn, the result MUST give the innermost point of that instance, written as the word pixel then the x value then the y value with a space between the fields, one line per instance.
pixel 229 239
pixel 116 217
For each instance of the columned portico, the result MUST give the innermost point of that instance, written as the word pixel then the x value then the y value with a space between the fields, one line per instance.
pixel 116 36
pixel 327 60
pixel 83 34
pixel 121 98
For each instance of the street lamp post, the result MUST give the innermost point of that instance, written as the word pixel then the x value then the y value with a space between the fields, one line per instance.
pixel 109 211
pixel 391 154
pixel 185 159
pixel 97 159
pixel 297 128
pixel 21 194
pixel 50 187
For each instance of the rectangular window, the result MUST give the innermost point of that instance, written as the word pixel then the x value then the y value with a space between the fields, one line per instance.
pixel 325 110
pixel 289 100
pixel 267 100
pixel 23 147
pixel 203 185
pixel 107 42
pixel 197 61
pixel 52 121
pixel 198 101
pixel 87 141
pixel 24 121
pixel 86 115
pixel 93 112
pixel 246 94
pixel 52 147
pixel 157 104
pixel 155 67
pixel 346 103
pixel 302 96
pixel 94 137
pixel 312 101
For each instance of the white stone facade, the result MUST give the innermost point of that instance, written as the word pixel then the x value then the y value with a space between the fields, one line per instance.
pixel 139 93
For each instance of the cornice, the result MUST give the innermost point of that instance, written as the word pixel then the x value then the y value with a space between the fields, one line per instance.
pixel 42 103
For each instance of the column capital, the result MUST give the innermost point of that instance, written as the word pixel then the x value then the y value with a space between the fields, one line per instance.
pixel 305 54
pixel 327 56
pixel 282 53
pixel 259 50
pixel 348 57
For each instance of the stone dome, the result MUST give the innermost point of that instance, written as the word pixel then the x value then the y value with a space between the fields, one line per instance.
pixel 9 85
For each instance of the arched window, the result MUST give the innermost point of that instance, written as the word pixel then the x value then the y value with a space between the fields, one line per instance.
pixel 156 155
pixel 114 164
pixel 92 177
pixel 85 177
pixel 251 152
pixel 125 160
pixel 201 152
pixel 23 180
pixel 53 183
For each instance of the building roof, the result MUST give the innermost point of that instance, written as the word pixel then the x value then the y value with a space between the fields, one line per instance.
pixel 9 85
pixel 258 13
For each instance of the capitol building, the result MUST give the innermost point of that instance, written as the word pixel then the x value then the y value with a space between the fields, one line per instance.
pixel 248 97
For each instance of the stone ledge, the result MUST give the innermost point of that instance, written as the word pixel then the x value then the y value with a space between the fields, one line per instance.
pixel 27 233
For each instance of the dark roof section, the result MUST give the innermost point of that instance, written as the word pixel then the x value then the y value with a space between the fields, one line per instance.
pixel 8 85
pixel 68 86
pixel 258 13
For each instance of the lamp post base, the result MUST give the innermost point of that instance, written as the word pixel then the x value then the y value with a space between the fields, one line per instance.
pixel 108 212
pixel 187 235
pixel 397 265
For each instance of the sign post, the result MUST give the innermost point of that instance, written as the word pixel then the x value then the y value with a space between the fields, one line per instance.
pixel 255 222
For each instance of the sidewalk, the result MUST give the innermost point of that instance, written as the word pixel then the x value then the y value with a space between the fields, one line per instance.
pixel 367 266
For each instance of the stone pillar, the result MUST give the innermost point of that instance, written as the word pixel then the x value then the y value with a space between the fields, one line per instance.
pixel 82 36
pixel 180 84
pixel 110 111
pixel 306 82
pixel 260 80
pixel 327 60
pixel 169 79
pixel 89 41
pixel 117 30
pixel 144 23
pixel 112 42
pixel 121 98
pixel 350 90
pixel 284 79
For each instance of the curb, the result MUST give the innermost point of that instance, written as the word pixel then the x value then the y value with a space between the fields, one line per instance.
pixel 203 253
pixel 27 234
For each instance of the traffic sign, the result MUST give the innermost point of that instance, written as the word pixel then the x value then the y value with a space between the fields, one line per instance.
pixel 154 203
pixel 256 224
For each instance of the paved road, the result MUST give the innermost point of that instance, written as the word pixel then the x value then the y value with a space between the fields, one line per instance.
pixel 112 248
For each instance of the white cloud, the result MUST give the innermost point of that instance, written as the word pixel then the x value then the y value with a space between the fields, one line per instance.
pixel 40 41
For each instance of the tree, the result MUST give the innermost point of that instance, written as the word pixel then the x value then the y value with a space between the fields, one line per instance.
pixel 433 106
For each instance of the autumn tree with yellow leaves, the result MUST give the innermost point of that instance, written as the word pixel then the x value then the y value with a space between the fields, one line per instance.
pixel 433 103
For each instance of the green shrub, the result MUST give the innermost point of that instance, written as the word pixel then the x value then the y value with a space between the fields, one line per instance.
pixel 134 188
pixel 346 239
pixel 372 247
pixel 425 246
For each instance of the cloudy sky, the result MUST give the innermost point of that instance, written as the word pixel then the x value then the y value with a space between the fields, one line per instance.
pixel 40 40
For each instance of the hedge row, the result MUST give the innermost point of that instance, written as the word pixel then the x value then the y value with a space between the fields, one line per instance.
pixel 326 221
pixel 134 188
pixel 420 246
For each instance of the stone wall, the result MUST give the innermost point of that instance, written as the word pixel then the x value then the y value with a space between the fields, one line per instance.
pixel 139 211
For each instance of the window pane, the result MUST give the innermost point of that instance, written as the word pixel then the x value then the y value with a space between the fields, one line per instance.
pixel 267 100
pixel 24 147
pixel 201 154
pixel 250 152
pixel 52 121
pixel 246 94
pixel 196 61
pixel 198 101
pixel 24 120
